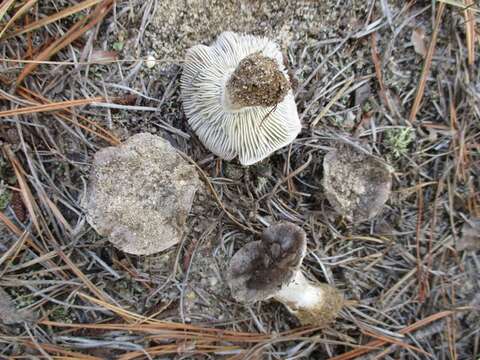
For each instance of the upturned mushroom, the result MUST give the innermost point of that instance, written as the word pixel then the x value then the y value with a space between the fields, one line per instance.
pixel 270 268
pixel 238 99
pixel 357 184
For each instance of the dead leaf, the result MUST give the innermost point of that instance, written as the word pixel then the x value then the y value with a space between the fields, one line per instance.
pixel 418 41
pixel 470 239
pixel 9 314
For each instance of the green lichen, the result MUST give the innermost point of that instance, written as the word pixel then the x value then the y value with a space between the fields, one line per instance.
pixel 62 314
pixel 398 140
pixel 5 196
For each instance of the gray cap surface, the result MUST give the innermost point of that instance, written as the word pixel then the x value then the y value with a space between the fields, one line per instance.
pixel 140 194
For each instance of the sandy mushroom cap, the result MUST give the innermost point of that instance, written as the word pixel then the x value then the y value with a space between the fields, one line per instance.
pixel 356 183
pixel 221 120
pixel 140 193
pixel 259 269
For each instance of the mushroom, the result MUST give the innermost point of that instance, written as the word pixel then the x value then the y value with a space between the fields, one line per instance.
pixel 140 194
pixel 357 184
pixel 270 268
pixel 238 99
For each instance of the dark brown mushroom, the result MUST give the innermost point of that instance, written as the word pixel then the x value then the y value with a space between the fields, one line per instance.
pixel 270 268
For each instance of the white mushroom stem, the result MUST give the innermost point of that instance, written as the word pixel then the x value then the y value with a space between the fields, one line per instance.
pixel 311 303
pixel 300 293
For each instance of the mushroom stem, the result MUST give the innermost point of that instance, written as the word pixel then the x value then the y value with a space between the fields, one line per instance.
pixel 257 81
pixel 317 304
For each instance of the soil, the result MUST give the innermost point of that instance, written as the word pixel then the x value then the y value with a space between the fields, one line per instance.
pixel 257 81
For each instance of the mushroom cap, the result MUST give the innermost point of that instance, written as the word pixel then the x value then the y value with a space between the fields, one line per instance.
pixel 356 183
pixel 140 194
pixel 252 133
pixel 259 269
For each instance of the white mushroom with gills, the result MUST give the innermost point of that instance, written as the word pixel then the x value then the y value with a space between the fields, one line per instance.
pixel 270 268
pixel 238 98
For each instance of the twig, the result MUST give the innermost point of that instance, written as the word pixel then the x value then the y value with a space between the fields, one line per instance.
pixel 427 65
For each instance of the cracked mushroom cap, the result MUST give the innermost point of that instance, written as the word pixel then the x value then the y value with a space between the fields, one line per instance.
pixel 356 183
pixel 238 99
pixel 259 269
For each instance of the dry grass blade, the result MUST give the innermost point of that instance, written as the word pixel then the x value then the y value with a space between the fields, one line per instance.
pixel 77 30
pixel 127 315
pixel 57 213
pixel 55 17
pixel 15 230
pixel 376 344
pixel 391 340
pixel 65 114
pixel 162 330
pixel 426 65
pixel 470 31
pixel 50 107
pixel 217 198
pixel 142 321
pixel 337 96
pixel 27 196
pixel 18 14
pixel 174 349
pixel 84 279
pixel 458 4
pixel 175 330
pixel 59 350
pixel 4 8
pixel 378 70
pixel 418 232
pixel 13 250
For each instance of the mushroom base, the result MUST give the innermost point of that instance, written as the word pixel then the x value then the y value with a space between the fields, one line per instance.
pixel 257 81
pixel 312 304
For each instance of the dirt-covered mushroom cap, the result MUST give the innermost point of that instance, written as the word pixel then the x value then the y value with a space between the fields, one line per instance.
pixel 140 194
pixel 238 99
pixel 259 269
pixel 356 183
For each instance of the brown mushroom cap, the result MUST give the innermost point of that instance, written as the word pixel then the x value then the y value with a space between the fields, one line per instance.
pixel 261 268
pixel 356 183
